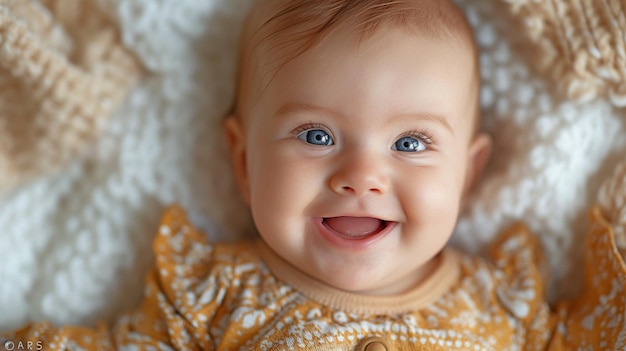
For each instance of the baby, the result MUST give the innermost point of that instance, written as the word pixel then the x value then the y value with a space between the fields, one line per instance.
pixel 354 136
pixel 355 140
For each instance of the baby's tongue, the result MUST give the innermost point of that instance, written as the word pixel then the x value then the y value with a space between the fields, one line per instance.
pixel 354 226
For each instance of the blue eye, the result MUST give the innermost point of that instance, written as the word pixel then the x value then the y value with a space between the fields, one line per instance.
pixel 316 137
pixel 409 144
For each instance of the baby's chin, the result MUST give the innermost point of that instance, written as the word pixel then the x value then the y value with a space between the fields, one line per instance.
pixel 372 275
pixel 365 280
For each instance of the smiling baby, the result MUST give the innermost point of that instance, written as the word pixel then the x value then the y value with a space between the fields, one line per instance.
pixel 354 140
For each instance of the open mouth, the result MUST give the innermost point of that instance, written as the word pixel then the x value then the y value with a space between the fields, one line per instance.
pixel 355 228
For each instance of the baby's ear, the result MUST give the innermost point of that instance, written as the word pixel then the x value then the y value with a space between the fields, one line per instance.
pixel 479 154
pixel 236 139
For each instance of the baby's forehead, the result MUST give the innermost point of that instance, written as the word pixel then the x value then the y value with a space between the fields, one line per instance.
pixel 278 31
pixel 305 21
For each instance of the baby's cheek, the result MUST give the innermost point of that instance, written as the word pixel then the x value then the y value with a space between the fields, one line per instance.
pixel 432 198
pixel 280 184
pixel 281 194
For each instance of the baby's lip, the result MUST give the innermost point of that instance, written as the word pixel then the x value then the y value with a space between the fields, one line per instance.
pixel 354 227
pixel 380 217
pixel 353 232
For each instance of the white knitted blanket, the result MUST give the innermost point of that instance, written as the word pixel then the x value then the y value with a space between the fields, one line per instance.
pixel 76 245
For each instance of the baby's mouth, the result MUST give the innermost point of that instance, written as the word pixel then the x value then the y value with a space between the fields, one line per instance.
pixel 354 228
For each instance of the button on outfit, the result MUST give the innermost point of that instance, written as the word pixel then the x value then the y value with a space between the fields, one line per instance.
pixel 374 344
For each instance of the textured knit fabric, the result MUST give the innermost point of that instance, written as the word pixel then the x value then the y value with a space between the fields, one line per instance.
pixel 201 296
pixel 63 70
pixel 579 44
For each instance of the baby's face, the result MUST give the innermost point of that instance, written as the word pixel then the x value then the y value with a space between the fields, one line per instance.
pixel 356 157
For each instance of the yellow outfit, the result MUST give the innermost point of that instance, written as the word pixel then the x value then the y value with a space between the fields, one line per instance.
pixel 244 297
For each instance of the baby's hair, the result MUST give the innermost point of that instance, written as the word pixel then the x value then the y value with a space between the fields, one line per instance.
pixel 278 31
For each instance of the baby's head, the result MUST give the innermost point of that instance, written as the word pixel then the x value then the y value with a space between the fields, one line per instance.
pixel 354 137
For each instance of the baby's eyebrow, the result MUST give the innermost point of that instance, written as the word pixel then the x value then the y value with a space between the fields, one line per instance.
pixel 293 108
pixel 438 119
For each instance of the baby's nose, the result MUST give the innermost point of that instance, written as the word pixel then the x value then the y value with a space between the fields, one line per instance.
pixel 360 176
